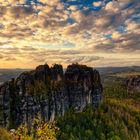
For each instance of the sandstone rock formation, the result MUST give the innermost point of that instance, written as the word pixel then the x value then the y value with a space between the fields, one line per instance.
pixel 48 92
pixel 133 84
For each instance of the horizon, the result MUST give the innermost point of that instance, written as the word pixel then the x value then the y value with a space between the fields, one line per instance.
pixel 70 64
pixel 97 33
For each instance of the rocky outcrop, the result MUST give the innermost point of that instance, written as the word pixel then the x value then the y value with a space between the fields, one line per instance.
pixel 133 84
pixel 47 92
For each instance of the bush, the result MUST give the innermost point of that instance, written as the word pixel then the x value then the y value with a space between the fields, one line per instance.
pixel 5 135
pixel 38 131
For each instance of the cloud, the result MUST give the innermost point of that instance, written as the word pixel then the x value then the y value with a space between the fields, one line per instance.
pixel 83 59
pixel 97 4
pixel 60 31
pixel 10 59
pixel 112 6
pixel 1 56
pixel 116 35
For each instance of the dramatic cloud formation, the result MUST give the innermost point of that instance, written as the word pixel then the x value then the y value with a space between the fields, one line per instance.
pixel 93 32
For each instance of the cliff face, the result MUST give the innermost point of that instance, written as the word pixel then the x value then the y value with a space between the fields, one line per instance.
pixel 48 92
pixel 133 84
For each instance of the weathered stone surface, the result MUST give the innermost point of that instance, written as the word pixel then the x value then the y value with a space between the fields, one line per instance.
pixel 48 92
pixel 133 84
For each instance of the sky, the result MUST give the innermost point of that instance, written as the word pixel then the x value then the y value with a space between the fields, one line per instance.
pixel 98 33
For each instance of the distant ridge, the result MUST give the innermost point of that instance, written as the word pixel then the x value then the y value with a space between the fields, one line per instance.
pixel 111 70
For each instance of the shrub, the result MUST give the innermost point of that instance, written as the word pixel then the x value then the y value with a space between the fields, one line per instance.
pixel 5 135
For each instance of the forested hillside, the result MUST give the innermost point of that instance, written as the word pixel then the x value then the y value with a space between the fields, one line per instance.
pixel 117 118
